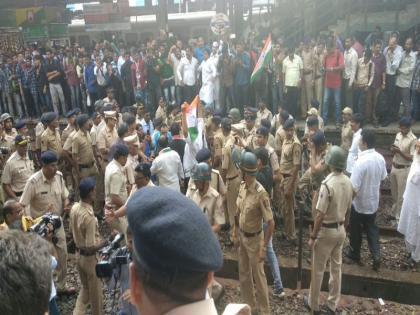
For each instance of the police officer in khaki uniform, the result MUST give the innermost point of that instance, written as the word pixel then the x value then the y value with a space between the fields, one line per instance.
pixel 253 207
pixel 71 125
pixel 262 142
pixel 250 130
pixel 50 137
pixel 346 131
pixel 231 174
pixel 220 139
pixel 403 149
pixel 107 136
pixel 44 192
pixel 116 185
pixel 328 235
pixel 291 154
pixel 132 142
pixel 280 133
pixel 82 150
pixel 18 170
pixel 85 231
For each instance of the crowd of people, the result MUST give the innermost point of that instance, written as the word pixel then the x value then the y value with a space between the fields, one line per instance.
pixel 244 166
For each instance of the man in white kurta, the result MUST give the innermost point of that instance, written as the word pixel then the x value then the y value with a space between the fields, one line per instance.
pixel 409 224
pixel 208 76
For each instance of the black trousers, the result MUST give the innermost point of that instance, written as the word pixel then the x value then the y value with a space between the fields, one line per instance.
pixel 363 223
pixel 189 93
pixel 392 104
pixel 291 100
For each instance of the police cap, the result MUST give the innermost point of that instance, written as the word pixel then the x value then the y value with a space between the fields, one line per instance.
pixel 71 113
pixel 86 186
pixel 49 157
pixel 203 155
pixel 20 124
pixel 82 119
pixel 50 117
pixel 289 123
pixel 154 213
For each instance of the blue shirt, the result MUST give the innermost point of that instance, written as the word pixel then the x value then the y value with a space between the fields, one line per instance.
pixel 90 78
pixel 199 54
pixel 242 73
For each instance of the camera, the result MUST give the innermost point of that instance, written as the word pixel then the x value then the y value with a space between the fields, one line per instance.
pixel 4 150
pixel 112 256
pixel 46 222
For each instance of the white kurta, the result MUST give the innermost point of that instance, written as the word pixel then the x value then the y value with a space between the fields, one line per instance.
pixel 208 77
pixel 409 224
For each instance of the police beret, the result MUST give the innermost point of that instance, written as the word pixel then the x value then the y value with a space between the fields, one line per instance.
pixel 405 122
pixel 312 121
pixel 110 114
pixel 203 155
pixel 48 157
pixel 289 123
pixel 318 138
pixel 77 110
pixel 94 115
pixel 20 140
pixel 86 186
pixel 165 240
pixel 216 119
pixel 70 113
pixel 262 131
pixel 251 110
pixel 82 119
pixel 226 123
pixel 131 139
pixel 50 117
pixel 42 119
pixel 20 124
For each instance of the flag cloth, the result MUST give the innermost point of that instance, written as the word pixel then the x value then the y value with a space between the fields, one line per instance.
pixel 263 60
pixel 191 117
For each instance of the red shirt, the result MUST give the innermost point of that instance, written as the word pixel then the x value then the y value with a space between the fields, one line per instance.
pixel 333 78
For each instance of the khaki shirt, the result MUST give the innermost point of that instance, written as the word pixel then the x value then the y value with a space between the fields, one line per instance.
pixel 335 197
pixel 68 144
pixel 218 143
pixel 66 133
pixel 291 153
pixel 17 171
pixel 227 162
pixel 308 61
pixel 41 195
pixel 274 161
pixel 279 138
pixel 407 145
pixel 51 140
pixel 130 166
pixel 82 147
pixel 364 78
pixel 265 114
pixel 115 182
pixel 105 139
pixel 161 113
pixel 39 129
pixel 93 133
pixel 251 137
pixel 346 136
pixel 253 206
pixel 84 225
pixel 211 204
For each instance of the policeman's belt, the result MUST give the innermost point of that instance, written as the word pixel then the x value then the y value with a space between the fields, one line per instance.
pixel 19 193
pixel 86 165
pixel 83 252
pixel 400 166
pixel 246 234
pixel 334 225
pixel 232 178
pixel 286 175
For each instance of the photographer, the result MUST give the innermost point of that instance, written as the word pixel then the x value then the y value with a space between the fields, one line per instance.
pixel 44 192
pixel 84 227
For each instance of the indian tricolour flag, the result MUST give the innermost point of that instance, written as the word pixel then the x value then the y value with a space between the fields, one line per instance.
pixel 191 116
pixel 263 60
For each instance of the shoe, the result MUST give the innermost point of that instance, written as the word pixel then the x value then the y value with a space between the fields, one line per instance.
pixel 306 303
pixel 348 253
pixel 66 291
pixel 279 293
pixel 326 310
pixel 376 264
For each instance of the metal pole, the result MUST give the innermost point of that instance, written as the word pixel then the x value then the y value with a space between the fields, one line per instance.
pixel 300 248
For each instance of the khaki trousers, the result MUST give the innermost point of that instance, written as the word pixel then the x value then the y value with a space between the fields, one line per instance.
pixel 307 94
pixel 328 246
pixel 61 250
pixel 398 178
pixel 287 207
pixel 91 289
pixel 250 270
pixel 232 186
pixel 372 100
pixel 319 90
